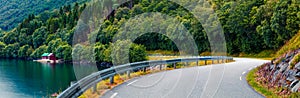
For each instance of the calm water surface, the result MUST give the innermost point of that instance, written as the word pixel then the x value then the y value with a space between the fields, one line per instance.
pixel 19 78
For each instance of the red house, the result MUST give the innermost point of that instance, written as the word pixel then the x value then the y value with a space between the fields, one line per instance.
pixel 49 56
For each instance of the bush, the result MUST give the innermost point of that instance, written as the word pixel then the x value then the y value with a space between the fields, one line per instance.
pixel 295 60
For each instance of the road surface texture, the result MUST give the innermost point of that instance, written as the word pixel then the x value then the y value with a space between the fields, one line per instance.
pixel 218 81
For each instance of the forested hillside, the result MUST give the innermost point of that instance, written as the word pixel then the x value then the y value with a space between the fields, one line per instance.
pixel 250 26
pixel 13 12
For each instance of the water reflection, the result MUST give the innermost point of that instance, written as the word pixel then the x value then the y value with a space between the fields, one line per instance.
pixel 19 78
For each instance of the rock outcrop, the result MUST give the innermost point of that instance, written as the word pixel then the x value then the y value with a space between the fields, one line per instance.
pixel 283 72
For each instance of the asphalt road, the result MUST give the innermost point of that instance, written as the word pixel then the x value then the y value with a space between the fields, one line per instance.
pixel 218 80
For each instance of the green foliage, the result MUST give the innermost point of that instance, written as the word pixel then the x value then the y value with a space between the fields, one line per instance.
pixel 14 12
pixel 137 53
pixel 77 52
pixel 39 51
pixel 262 54
pixel 54 44
pixel 99 52
pixel 11 50
pixel 124 52
pixel 25 51
pixel 39 36
pixel 2 49
pixel 64 52
pixel 295 60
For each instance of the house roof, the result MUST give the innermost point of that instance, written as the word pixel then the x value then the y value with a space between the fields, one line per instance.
pixel 45 54
pixel 50 54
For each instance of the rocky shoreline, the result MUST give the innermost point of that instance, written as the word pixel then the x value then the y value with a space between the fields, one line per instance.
pixel 282 73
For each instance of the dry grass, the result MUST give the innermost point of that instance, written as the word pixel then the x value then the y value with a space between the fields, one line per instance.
pixel 293 44
pixel 162 58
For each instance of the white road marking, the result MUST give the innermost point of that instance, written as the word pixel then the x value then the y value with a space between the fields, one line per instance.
pixel 150 75
pixel 114 95
pixel 243 72
pixel 131 82
pixel 241 78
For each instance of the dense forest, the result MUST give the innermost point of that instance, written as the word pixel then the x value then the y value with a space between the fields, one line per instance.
pixel 250 26
pixel 13 12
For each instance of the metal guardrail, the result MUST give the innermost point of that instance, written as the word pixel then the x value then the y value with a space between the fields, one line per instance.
pixel 76 89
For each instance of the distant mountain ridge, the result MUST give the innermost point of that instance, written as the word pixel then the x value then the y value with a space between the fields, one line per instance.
pixel 13 12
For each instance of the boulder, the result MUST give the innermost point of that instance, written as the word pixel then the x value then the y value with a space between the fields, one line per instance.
pixel 294 83
pixel 297 66
pixel 291 76
pixel 283 67
pixel 296 87
pixel 297 75
pixel 272 67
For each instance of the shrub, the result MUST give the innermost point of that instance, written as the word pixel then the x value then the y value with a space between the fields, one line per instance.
pixel 295 60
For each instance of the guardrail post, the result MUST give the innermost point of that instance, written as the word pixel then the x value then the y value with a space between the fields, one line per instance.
pixel 95 88
pixel 128 74
pixel 112 79
pixel 160 66
pixel 212 61
pixel 174 65
pixel 197 63
pixel 145 69
pixel 205 62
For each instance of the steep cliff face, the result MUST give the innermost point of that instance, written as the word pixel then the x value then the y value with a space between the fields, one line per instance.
pixel 281 73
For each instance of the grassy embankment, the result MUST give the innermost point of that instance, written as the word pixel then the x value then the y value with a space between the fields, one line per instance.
pixel 293 44
pixel 263 90
pixel 251 78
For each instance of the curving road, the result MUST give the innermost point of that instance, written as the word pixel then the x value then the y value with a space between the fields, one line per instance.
pixel 218 80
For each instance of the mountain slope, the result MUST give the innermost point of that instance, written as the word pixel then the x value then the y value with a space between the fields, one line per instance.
pixel 13 12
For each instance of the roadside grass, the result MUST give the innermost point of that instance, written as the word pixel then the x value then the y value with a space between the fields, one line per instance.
pixel 263 90
pixel 251 78
pixel 265 55
pixel 268 54
pixel 105 85
pixel 163 52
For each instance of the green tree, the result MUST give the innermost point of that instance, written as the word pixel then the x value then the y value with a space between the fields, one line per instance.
pixel 77 52
pixel 54 44
pixel 137 53
pixel 99 52
pixel 39 37
pixel 64 52
pixel 123 13
pixel 2 49
pixel 25 51
pixel 11 50
pixel 39 51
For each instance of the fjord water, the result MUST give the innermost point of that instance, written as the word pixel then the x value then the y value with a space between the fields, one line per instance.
pixel 23 79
